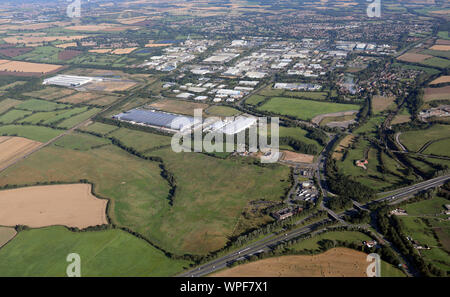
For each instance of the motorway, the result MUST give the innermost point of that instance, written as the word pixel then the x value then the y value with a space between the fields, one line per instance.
pixel 268 242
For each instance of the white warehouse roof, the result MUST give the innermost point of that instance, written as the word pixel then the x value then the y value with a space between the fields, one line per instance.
pixel 69 80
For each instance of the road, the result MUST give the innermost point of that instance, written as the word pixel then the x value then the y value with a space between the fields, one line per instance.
pixel 260 246
pixel 266 243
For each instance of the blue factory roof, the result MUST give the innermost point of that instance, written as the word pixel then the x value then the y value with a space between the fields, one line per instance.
pixel 156 118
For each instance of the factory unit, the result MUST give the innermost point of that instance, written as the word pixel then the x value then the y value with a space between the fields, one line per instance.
pixel 69 80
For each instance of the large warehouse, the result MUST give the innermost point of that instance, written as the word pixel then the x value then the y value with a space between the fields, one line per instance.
pixel 157 119
pixel 69 80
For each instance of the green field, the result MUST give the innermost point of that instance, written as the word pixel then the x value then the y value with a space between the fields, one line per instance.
pixel 37 133
pixel 304 109
pixel 255 100
pixel 13 115
pixel 43 54
pixel 81 142
pixel 99 128
pixel 141 141
pixel 429 71
pixel 436 62
pixel 41 105
pixel 211 193
pixel 347 236
pixel 440 148
pixel 444 54
pixel 75 120
pixel 307 95
pixel 112 253
pixel 415 140
pixel 372 177
pixel 222 111
pixel 52 117
pixel 443 35
pixel 427 207
pixel 424 230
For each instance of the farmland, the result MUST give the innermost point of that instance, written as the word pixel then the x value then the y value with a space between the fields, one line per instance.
pixel 14 67
pixel 13 148
pixel 7 104
pixel 50 93
pixel 441 80
pixel 214 197
pixel 337 262
pixel 141 141
pixel 304 109
pixel 41 105
pixel 52 117
pixel 42 206
pixel 13 115
pixel 42 134
pixel 139 195
pixel 180 107
pixel 6 234
pixel 75 120
pixel 222 111
pixel 99 128
pixel 380 104
pixel 432 94
pixel 43 252
pixel 415 140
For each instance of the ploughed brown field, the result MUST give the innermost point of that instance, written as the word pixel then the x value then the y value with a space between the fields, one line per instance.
pixel 297 158
pixel 338 262
pixel 66 55
pixel 437 94
pixel 42 206
pixel 14 148
pixel 14 52
pixel 413 57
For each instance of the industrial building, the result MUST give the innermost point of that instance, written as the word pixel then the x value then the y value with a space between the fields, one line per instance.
pixel 157 119
pixel 232 127
pixel 69 80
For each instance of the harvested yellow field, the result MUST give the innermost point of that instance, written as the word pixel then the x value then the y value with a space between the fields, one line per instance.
pixel 441 80
pixel 123 51
pixel 66 45
pixel 14 148
pixel 42 206
pixel 338 262
pixel 16 66
pixel 343 145
pixel 297 158
pixel 100 27
pixel 111 86
pixel 101 50
pixel 440 47
pixel 39 40
pixel 6 234
pixel 157 44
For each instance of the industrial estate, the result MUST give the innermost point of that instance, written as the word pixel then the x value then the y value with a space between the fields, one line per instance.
pixel 90 107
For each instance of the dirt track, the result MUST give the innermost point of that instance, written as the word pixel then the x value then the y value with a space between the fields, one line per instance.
pixel 338 262
pixel 41 206
pixel 316 120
